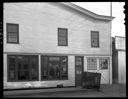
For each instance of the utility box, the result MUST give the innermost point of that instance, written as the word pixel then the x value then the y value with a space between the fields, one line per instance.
pixel 91 80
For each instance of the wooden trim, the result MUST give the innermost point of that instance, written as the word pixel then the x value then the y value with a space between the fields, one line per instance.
pixel 54 54
pixel 17 33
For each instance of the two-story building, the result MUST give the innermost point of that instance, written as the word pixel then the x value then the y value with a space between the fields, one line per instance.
pixel 46 44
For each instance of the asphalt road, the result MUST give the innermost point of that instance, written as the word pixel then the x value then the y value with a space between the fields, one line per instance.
pixel 106 91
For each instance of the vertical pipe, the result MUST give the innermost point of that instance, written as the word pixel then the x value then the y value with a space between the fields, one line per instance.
pixel 111 9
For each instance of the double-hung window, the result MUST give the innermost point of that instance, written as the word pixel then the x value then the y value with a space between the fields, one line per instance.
pixel 12 33
pixel 94 39
pixel 62 37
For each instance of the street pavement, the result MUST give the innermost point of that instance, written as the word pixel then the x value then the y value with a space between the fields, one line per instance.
pixel 115 90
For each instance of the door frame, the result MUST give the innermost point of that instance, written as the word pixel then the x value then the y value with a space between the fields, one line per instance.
pixel 81 68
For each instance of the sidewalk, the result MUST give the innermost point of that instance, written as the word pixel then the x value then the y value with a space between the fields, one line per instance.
pixel 105 90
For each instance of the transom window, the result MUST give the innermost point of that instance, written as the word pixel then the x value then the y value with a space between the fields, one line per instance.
pixel 62 37
pixel 94 39
pixel 12 33
pixel 22 67
pixel 54 67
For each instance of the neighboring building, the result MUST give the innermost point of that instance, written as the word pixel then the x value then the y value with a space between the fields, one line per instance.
pixel 46 44
pixel 119 60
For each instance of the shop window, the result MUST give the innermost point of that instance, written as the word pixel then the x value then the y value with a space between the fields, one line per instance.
pixel 22 67
pixel 12 33
pixel 53 67
pixel 91 63
pixel 103 63
pixel 94 39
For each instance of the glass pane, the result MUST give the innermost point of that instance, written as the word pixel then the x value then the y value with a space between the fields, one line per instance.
pixel 64 72
pixel 94 38
pixel 54 70
pixel 23 68
pixel 44 71
pixel 54 58
pixel 62 31
pixel 103 63
pixel 12 39
pixel 11 67
pixel 12 28
pixel 78 61
pixel 34 68
pixel 92 63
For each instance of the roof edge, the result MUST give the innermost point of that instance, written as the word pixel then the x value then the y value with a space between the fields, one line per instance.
pixel 87 12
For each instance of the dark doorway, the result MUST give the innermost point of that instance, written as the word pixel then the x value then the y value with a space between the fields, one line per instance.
pixel 78 70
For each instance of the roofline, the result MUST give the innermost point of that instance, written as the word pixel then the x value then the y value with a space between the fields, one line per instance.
pixel 119 37
pixel 87 12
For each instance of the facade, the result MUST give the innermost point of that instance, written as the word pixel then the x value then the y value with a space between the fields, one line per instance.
pixel 47 44
pixel 119 60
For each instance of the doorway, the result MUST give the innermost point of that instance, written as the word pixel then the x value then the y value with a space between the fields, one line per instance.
pixel 78 70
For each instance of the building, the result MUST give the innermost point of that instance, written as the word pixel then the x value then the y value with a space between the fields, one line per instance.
pixel 119 60
pixel 47 44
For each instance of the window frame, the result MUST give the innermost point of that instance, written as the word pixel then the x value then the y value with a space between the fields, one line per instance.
pixel 66 36
pixel 98 43
pixel 15 32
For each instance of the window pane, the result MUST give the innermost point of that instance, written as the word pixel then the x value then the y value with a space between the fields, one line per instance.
pixel 94 38
pixel 44 71
pixel 92 63
pixel 12 39
pixel 62 37
pixel 12 28
pixel 78 61
pixel 64 72
pixel 11 66
pixel 23 68
pixel 34 68
pixel 103 63
pixel 54 68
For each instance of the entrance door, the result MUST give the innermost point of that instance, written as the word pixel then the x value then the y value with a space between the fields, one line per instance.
pixel 78 70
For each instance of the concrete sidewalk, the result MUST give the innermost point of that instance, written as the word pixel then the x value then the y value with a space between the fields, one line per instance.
pixel 109 90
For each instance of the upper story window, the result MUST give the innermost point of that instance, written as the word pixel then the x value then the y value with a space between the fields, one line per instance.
pixel 94 39
pixel 12 33
pixel 62 37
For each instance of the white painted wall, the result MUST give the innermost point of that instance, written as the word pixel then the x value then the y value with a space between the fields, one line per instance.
pixel 38 23
pixel 122 67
